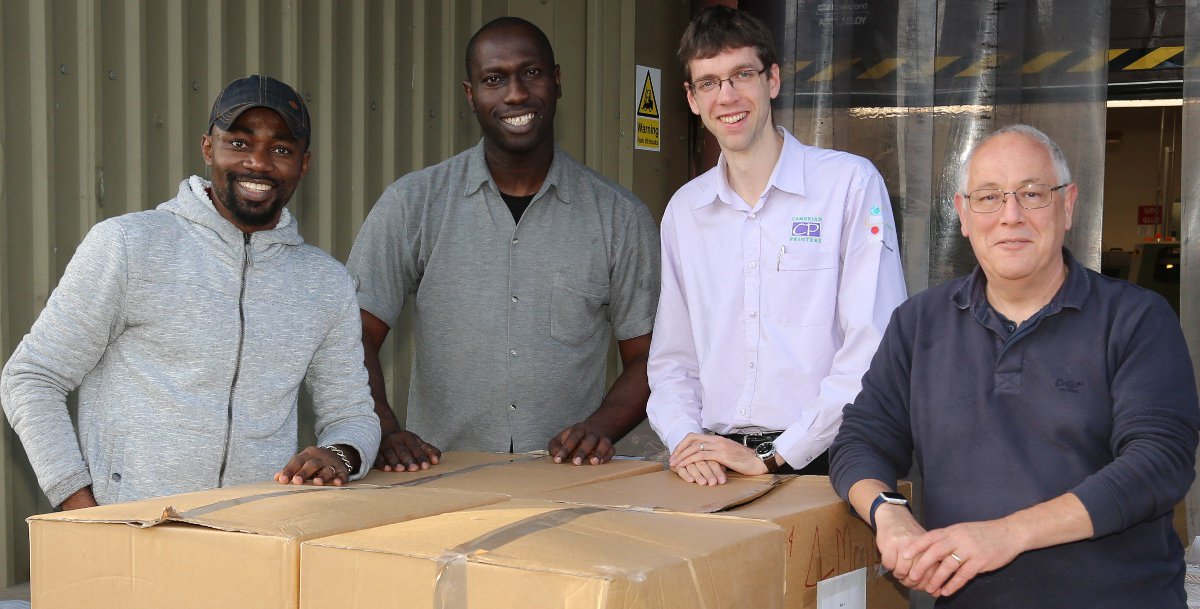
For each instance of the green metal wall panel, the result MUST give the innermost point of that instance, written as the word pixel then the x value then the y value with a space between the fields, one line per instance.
pixel 104 103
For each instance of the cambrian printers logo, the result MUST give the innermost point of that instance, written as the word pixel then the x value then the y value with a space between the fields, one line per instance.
pixel 806 229
pixel 1067 385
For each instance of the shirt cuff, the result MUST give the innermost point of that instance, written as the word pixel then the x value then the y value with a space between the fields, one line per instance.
pixel 634 329
pixel 800 447
pixel 381 310
pixel 677 433
pixel 1102 507
pixel 66 487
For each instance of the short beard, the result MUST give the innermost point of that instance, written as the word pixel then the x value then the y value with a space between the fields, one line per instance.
pixel 245 213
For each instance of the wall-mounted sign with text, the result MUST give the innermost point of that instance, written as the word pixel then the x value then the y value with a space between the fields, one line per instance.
pixel 649 122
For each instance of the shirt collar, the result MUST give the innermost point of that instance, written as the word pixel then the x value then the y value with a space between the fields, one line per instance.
pixel 790 180
pixel 972 294
pixel 557 177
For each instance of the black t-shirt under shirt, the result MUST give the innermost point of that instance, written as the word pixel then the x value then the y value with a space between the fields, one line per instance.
pixel 516 205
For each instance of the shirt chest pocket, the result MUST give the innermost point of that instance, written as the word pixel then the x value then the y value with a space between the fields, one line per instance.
pixel 576 309
pixel 801 288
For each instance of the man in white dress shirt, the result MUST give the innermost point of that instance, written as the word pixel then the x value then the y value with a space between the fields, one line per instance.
pixel 780 272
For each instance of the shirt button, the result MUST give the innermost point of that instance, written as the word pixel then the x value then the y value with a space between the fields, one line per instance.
pixel 753 314
pixel 742 411
pixel 516 241
pixel 512 406
pixel 751 365
pixel 116 477
pixel 513 353
pixel 753 216
pixel 514 298
pixel 754 265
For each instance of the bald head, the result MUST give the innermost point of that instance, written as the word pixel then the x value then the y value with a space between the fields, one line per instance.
pixel 508 26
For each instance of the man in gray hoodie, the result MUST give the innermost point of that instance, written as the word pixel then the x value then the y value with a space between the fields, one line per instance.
pixel 189 328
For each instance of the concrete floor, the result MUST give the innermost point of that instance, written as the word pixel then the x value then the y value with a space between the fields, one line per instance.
pixel 19 592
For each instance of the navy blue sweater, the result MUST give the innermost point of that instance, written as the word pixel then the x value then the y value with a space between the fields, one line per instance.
pixel 1094 395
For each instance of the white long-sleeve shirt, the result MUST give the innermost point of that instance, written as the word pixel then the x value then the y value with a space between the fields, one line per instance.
pixel 771 310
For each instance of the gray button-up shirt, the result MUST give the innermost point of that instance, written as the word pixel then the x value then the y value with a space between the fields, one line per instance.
pixel 510 319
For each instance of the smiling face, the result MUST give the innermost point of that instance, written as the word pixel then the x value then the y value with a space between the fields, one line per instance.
pixel 1015 245
pixel 255 168
pixel 513 89
pixel 739 118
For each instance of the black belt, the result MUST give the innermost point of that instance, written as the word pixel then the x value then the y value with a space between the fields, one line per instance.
pixel 753 439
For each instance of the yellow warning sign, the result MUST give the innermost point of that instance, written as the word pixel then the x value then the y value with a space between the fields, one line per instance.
pixel 648 134
pixel 647 106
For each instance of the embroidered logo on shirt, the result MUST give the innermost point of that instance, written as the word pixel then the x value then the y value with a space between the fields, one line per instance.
pixel 806 229
pixel 876 228
pixel 1067 385
pixel 875 224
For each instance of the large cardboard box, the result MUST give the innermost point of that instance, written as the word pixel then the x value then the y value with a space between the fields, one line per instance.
pixel 519 475
pixel 824 539
pixel 231 547
pixel 527 554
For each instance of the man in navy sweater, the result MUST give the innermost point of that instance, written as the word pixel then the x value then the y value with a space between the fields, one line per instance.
pixel 1052 411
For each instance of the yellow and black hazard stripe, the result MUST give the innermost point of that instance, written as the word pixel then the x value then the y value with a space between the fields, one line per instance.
pixel 1063 62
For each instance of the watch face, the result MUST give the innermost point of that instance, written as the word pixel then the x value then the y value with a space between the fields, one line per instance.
pixel 764 450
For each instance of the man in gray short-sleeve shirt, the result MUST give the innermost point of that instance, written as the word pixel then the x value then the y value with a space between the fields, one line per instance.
pixel 518 257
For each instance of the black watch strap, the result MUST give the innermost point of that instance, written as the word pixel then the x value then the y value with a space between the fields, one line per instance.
pixel 891 497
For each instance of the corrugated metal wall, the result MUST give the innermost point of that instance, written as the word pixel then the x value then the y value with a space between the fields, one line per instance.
pixel 104 102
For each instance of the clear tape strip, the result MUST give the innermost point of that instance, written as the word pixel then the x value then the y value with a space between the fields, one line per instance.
pixel 450 584
pixel 465 470
pixel 228 503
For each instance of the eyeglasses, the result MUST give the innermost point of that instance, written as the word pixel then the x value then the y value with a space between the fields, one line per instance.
pixel 738 80
pixel 1029 196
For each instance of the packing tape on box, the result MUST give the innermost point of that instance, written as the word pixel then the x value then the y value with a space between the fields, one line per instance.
pixel 465 470
pixel 450 584
pixel 228 503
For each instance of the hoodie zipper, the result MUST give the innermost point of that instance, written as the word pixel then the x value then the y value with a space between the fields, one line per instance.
pixel 237 366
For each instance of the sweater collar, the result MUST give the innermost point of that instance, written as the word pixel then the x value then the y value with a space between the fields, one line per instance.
pixel 972 294
pixel 194 205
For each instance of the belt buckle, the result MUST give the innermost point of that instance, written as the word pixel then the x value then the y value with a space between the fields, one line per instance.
pixel 746 437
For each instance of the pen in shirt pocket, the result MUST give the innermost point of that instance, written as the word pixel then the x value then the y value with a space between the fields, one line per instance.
pixel 779 259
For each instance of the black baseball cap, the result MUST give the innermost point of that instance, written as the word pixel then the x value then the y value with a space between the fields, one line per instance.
pixel 260 91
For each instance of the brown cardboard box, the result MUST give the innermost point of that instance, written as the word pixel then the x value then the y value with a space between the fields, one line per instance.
pixel 519 475
pixel 823 538
pixel 527 554
pixel 224 548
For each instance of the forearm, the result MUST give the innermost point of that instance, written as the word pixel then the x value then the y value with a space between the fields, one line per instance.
pixel 374 332
pixel 624 406
pixel 387 418
pixel 874 441
pixel 863 494
pixel 1063 519
pixel 82 498
pixel 674 406
pixel 36 408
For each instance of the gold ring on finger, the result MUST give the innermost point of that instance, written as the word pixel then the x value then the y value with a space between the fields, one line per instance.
pixel 702 446
pixel 956 557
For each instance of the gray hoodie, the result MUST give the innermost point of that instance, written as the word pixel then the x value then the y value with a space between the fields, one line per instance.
pixel 176 392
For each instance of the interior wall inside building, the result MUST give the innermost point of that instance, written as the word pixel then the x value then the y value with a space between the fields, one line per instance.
pixel 1141 168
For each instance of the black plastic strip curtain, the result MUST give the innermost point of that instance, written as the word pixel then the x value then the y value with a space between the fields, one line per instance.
pixel 1189 289
pixel 912 84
